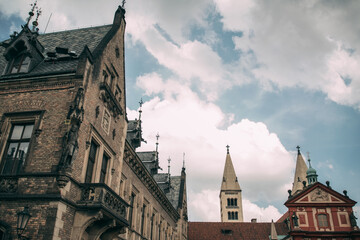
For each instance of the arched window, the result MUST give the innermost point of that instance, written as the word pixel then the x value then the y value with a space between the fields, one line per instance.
pixel 229 216
pixel 228 201
pixel 322 220
pixel 236 215
pixel 235 202
pixel 232 202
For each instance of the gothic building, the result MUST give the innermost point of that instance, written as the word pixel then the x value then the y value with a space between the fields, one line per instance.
pixel 68 162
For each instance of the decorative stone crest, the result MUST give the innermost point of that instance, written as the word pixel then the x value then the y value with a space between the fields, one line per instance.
pixel 319 195
pixel 8 185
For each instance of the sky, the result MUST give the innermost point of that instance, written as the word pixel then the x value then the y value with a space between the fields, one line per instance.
pixel 260 76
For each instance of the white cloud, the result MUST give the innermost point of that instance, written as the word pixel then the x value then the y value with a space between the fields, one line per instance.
pixel 205 205
pixel 188 124
pixel 299 44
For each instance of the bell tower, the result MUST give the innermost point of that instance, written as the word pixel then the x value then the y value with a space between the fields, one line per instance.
pixel 230 194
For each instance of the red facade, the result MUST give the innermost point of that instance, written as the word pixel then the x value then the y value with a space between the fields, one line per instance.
pixel 318 212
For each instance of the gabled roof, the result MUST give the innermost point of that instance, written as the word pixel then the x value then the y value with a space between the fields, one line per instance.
pixel 73 40
pixel 229 181
pixel 230 231
pixel 321 195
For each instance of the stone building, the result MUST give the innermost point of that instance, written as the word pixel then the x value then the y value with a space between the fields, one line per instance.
pixel 315 212
pixel 65 159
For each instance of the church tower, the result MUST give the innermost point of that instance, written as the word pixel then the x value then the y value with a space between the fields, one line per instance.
pixel 230 194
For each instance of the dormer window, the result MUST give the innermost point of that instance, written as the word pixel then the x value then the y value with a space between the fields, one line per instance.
pixel 20 64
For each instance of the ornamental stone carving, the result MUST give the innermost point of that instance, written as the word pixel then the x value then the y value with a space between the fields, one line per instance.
pixel 8 185
pixel 319 195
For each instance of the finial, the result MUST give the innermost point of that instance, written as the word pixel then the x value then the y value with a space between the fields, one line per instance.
pixel 140 111
pixel 183 161
pixel 31 13
pixel 169 160
pixel 309 163
pixel 36 23
pixel 157 141
pixel 227 147
pixel 289 192
pixel 345 193
pixel 298 148
pixel 328 184
pixel 123 3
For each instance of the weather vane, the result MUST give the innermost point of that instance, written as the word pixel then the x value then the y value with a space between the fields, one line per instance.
pixel 123 3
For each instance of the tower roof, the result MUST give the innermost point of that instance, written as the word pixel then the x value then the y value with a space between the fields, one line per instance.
pixel 230 181
pixel 300 173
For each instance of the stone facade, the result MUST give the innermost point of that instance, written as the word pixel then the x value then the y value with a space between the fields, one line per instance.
pixel 63 129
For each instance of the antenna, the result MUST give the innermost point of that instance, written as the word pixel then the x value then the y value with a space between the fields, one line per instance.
pixel 47 23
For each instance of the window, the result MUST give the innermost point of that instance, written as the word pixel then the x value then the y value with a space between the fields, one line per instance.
pixel 233 216
pixel 20 64
pixel 152 226
pixel 322 220
pixel 143 219
pixel 91 162
pixel 232 202
pixel 131 212
pixel 17 148
pixel 105 124
pixel 104 166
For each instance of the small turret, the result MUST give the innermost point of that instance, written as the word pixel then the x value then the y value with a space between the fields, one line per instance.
pixel 311 174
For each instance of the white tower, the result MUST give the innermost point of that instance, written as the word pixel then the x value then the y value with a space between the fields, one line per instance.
pixel 230 194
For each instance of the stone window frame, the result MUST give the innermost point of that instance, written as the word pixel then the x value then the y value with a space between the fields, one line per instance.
pixel 7 122
pixel 102 149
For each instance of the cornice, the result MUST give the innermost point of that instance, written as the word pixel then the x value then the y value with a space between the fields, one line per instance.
pixel 135 163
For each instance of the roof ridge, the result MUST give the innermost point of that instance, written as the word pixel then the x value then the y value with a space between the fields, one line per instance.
pixel 75 29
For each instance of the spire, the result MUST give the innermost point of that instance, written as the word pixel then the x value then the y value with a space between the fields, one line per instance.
pixel 300 173
pixel 230 181
pixel 273 235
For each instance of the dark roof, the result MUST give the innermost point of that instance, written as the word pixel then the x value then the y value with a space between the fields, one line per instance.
pixel 174 193
pixel 232 231
pixel 73 40
pixel 147 156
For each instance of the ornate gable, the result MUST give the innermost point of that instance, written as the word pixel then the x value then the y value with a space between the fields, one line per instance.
pixel 23 52
pixel 319 194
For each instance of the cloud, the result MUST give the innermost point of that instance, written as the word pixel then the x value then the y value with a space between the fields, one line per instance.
pixel 308 44
pixel 188 124
pixel 205 205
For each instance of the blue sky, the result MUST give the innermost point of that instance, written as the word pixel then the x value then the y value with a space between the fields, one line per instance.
pixel 261 76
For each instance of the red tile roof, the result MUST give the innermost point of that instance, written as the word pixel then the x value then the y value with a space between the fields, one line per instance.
pixel 232 231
